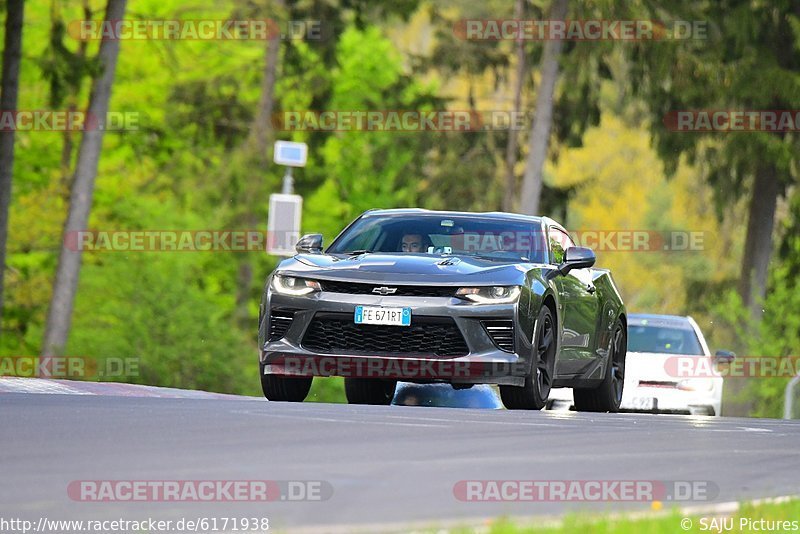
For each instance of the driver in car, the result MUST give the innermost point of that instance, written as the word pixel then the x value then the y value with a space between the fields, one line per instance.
pixel 411 242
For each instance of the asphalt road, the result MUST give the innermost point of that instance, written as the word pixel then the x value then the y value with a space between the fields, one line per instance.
pixel 385 464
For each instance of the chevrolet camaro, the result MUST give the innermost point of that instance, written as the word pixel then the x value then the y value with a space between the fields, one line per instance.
pixel 437 296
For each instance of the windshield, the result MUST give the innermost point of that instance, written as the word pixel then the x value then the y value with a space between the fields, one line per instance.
pixel 664 340
pixel 493 239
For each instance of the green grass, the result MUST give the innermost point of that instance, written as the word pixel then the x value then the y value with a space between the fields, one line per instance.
pixel 668 522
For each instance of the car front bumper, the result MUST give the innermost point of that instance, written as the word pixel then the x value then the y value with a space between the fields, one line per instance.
pixel 670 400
pixel 482 361
pixel 665 400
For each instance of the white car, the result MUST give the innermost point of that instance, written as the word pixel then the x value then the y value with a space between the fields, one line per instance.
pixel 668 369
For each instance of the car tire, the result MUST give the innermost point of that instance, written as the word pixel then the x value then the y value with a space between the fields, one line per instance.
pixel 285 388
pixel 607 396
pixel 369 390
pixel 533 394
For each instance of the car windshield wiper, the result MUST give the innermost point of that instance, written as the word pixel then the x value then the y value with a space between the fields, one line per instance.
pixel 357 252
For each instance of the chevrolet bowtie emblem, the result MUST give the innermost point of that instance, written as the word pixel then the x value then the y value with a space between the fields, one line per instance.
pixel 383 290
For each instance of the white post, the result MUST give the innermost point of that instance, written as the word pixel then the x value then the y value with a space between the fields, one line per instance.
pixel 288 182
pixel 787 399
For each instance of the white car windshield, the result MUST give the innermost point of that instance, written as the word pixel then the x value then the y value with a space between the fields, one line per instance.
pixel 663 340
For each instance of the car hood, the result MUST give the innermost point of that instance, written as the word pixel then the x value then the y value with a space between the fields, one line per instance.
pixel 417 269
pixel 659 367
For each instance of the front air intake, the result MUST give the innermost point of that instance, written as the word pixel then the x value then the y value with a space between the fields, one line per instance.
pixel 502 333
pixel 279 323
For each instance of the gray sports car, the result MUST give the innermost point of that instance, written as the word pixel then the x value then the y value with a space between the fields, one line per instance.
pixel 438 296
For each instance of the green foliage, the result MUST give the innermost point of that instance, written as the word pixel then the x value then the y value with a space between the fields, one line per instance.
pixel 154 308
pixel 749 47
pixel 367 169
pixel 183 169
pixel 327 389
pixel 63 68
pixel 776 336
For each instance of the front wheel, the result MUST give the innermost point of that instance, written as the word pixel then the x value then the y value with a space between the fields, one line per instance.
pixel 608 395
pixel 369 390
pixel 533 394
pixel 285 388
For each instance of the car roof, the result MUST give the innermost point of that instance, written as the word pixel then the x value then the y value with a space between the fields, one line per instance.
pixel 675 321
pixel 487 214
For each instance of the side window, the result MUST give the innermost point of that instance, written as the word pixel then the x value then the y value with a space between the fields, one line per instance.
pixel 559 243
pixel 556 247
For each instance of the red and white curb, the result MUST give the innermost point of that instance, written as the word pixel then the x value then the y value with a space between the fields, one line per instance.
pixel 108 389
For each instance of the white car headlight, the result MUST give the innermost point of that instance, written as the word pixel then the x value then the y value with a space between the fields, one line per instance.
pixel 696 384
pixel 490 294
pixel 291 285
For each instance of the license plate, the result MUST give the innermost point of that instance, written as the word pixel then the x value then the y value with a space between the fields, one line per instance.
pixel 643 403
pixel 388 316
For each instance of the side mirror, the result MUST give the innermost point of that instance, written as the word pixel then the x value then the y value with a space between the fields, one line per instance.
pixel 309 244
pixel 577 258
pixel 724 356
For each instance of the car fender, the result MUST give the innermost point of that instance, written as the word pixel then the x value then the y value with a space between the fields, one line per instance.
pixel 611 308
pixel 541 287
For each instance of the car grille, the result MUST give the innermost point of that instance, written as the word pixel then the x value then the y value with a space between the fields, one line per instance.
pixel 279 323
pixel 336 333
pixel 355 288
pixel 502 333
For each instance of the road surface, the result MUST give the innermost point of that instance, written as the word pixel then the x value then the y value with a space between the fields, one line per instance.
pixel 385 465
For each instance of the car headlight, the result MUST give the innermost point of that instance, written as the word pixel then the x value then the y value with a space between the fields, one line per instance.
pixel 695 384
pixel 290 285
pixel 489 294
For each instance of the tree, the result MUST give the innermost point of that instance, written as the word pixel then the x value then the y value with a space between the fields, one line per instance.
pixel 69 262
pixel 12 52
pixel 369 169
pixel 748 61
pixel 66 70
pixel 254 154
pixel 543 118
pixel 477 68
pixel 511 146
pixel 261 131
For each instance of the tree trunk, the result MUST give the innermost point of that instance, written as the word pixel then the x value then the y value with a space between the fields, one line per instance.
pixel 261 131
pixel 12 52
pixel 67 148
pixel 511 147
pixel 59 316
pixel 257 146
pixel 543 119
pixel 758 241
